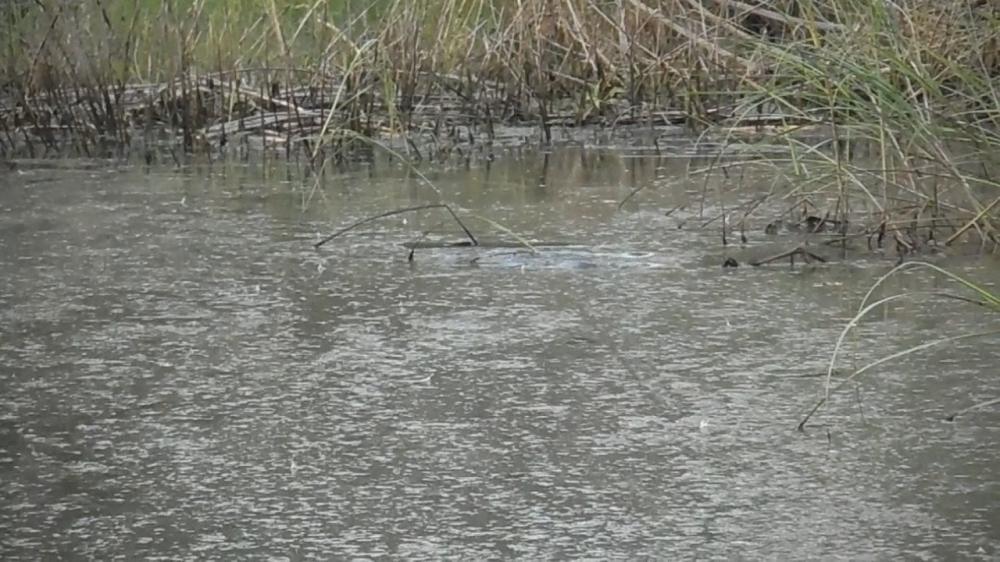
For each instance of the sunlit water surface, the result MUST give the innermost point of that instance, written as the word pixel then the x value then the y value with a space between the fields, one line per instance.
pixel 185 377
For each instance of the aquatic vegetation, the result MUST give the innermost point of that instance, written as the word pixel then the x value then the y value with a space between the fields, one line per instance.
pixel 911 85
pixel 979 296
pixel 894 90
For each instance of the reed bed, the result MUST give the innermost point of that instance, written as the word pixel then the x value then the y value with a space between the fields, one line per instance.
pixel 914 84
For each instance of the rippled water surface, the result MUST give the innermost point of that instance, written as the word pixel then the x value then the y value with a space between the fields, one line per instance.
pixel 185 377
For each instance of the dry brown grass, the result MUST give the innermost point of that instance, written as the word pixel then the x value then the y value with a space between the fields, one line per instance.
pixel 917 79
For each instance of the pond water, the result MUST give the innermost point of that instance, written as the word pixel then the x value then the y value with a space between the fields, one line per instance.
pixel 185 377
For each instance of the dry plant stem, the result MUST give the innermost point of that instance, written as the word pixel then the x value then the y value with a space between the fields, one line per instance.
pixel 978 406
pixel 779 17
pixel 990 300
pixel 798 251
pixel 916 81
pixel 631 194
pixel 892 357
pixel 692 36
pixel 386 214
pixel 972 222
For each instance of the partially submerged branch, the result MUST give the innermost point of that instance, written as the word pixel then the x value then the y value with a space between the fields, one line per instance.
pixel 346 229
pixel 798 251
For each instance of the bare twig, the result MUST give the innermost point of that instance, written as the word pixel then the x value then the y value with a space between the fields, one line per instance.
pixel 386 214
pixel 791 254
pixel 964 411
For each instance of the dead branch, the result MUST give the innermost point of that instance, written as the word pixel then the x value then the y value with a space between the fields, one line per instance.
pixel 346 229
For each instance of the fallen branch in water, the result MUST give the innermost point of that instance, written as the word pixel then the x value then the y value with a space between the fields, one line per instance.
pixel 800 251
pixel 346 229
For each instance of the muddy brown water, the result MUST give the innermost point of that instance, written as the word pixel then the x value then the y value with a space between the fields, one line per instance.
pixel 185 377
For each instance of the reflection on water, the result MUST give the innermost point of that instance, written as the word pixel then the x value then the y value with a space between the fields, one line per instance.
pixel 186 377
